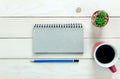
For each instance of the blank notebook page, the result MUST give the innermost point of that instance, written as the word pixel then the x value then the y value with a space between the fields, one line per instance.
pixel 58 38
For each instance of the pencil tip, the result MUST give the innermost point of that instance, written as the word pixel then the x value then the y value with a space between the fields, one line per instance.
pixel 76 60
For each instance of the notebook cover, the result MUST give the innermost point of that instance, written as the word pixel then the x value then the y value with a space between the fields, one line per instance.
pixel 58 38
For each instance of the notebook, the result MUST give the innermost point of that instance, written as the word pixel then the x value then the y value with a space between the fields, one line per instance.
pixel 58 38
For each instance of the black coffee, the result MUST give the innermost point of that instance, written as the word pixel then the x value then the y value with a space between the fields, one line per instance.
pixel 105 54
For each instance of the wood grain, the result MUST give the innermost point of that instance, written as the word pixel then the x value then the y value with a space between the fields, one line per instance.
pixel 22 48
pixel 22 27
pixel 17 19
pixel 85 69
pixel 57 8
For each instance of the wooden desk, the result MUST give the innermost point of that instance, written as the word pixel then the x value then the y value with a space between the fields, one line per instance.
pixel 17 19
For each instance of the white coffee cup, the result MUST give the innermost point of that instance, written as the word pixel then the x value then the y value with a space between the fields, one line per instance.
pixel 101 59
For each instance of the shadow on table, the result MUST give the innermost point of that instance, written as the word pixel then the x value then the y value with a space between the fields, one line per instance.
pixel 100 72
pixel 96 32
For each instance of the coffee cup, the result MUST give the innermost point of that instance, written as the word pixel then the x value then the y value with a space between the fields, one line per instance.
pixel 105 55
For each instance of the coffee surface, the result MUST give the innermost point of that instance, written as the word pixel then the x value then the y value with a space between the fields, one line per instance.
pixel 105 54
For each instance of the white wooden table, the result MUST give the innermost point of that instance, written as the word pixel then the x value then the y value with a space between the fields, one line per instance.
pixel 17 19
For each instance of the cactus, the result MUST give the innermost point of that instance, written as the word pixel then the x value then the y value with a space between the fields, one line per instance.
pixel 100 18
pixel 102 13
pixel 99 21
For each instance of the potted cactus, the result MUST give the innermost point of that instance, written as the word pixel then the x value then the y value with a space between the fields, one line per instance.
pixel 100 18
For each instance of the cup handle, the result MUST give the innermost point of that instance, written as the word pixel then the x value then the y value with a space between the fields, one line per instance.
pixel 113 69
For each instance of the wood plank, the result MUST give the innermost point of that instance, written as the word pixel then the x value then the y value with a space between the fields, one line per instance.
pixel 22 48
pixel 85 69
pixel 57 8
pixel 22 27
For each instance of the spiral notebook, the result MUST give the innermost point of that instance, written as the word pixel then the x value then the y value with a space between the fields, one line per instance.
pixel 58 38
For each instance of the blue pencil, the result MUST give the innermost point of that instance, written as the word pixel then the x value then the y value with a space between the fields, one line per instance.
pixel 55 60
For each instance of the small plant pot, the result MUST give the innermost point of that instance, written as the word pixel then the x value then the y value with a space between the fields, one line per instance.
pixel 100 18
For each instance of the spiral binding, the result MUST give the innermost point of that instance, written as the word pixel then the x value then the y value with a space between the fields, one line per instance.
pixel 71 25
